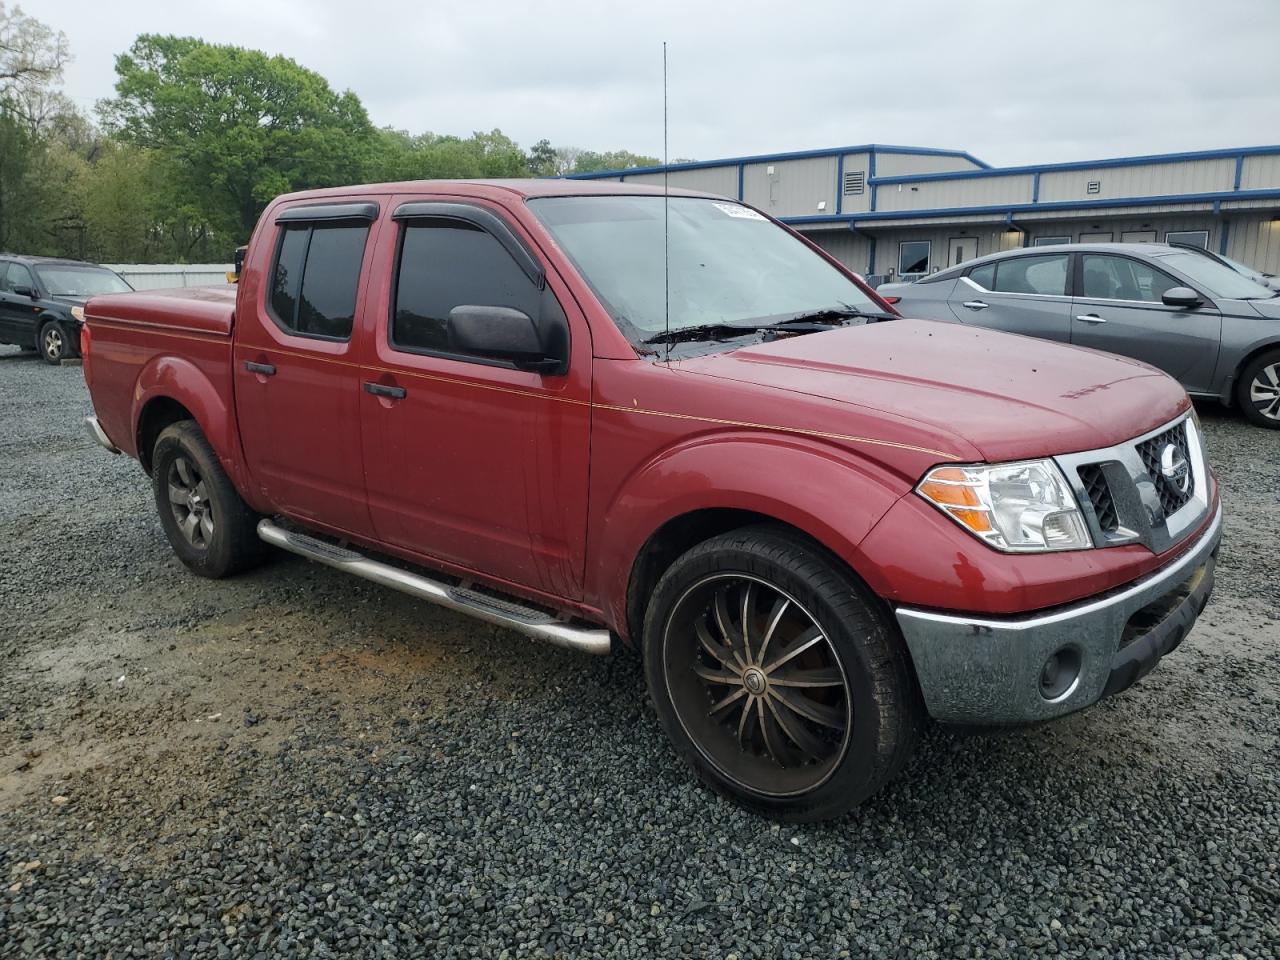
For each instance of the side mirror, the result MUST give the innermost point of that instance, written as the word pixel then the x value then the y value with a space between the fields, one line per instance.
pixel 1181 297
pixel 511 335
pixel 26 292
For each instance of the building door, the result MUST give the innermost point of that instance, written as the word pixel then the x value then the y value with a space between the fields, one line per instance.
pixel 961 249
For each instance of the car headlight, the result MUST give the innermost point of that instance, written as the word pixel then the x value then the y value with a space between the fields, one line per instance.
pixel 1024 507
pixel 78 313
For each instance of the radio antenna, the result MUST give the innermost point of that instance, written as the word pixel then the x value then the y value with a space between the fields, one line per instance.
pixel 666 204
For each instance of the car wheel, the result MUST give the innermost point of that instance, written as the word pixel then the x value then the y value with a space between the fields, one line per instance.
pixel 55 345
pixel 211 529
pixel 778 676
pixel 1258 391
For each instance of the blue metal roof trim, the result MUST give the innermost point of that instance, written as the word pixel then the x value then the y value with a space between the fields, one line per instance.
pixel 771 157
pixel 1012 208
pixel 1236 154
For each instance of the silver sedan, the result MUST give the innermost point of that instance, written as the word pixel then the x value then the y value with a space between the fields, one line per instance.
pixel 1217 332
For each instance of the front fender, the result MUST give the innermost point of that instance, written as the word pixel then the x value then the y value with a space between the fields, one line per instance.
pixel 184 382
pixel 831 494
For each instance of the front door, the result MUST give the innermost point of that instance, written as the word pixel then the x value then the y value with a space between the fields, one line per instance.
pixel 470 461
pixel 961 249
pixel 1118 308
pixel 1024 294
pixel 296 376
pixel 18 311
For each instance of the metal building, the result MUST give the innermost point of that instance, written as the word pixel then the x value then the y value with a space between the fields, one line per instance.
pixel 889 211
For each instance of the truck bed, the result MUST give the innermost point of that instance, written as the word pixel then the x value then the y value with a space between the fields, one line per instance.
pixel 142 343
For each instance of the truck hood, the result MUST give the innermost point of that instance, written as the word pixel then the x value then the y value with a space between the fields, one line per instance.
pixel 1011 397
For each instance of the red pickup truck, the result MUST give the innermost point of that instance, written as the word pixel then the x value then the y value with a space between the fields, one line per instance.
pixel 600 415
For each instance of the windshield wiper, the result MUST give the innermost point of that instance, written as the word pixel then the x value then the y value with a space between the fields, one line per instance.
pixel 704 331
pixel 829 314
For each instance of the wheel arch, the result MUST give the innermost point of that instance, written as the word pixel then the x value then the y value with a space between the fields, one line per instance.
pixel 171 388
pixel 828 496
pixel 1231 384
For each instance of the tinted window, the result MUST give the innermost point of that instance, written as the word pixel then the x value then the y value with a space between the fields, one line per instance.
pixel 1119 278
pixel 1046 276
pixel 984 276
pixel 913 256
pixel 446 264
pixel 317 270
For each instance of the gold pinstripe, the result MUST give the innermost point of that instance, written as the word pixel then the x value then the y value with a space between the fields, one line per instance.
pixel 534 394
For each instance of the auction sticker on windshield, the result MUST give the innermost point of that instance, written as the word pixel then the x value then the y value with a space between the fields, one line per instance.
pixel 744 213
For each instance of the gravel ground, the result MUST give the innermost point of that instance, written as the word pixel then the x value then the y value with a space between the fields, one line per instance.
pixel 293 763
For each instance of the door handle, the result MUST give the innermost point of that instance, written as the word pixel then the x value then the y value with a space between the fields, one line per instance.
pixel 266 369
pixel 382 390
pixel 1091 318
pixel 976 304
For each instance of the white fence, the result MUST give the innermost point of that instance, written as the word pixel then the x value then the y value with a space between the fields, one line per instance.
pixel 163 276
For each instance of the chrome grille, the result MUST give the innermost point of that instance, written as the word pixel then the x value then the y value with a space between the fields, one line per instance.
pixel 1171 498
pixel 1104 507
pixel 1126 496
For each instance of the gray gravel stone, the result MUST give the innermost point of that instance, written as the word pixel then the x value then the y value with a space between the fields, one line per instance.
pixel 404 782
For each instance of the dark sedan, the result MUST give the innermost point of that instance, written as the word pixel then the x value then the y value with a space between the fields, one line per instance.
pixel 42 302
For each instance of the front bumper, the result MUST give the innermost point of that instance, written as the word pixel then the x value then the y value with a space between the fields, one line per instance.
pixel 978 670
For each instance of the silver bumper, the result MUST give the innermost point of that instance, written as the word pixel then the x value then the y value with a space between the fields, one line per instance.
pixel 979 670
pixel 99 435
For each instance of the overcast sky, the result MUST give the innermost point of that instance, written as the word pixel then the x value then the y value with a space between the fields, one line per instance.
pixel 1011 82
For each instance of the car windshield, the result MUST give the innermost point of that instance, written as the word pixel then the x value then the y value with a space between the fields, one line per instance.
pixel 66 280
pixel 729 266
pixel 1217 278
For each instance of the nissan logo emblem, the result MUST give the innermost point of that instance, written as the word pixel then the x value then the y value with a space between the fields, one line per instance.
pixel 1174 467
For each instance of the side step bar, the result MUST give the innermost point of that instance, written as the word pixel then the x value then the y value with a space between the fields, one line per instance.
pixel 500 612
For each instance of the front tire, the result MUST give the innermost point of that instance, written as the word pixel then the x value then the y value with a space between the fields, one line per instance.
pixel 55 345
pixel 1258 391
pixel 211 529
pixel 778 676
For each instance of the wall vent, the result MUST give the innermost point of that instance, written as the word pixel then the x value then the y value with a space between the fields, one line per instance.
pixel 855 182
pixel 1093 186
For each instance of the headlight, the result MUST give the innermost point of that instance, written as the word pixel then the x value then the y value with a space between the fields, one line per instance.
pixel 78 313
pixel 1021 507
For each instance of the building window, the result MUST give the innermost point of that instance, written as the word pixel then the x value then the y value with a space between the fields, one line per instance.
pixel 1138 236
pixel 1192 238
pixel 1049 241
pixel 913 256
pixel 855 182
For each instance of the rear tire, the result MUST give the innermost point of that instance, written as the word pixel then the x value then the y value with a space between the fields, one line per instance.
pixel 211 529
pixel 805 713
pixel 1258 392
pixel 55 345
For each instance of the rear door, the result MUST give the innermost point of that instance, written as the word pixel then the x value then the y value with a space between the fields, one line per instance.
pixel 1019 294
pixel 468 460
pixel 1119 309
pixel 297 379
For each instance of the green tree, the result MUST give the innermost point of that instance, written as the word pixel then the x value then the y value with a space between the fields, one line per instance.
pixel 238 126
pixel 588 161
pixel 543 159
pixel 400 155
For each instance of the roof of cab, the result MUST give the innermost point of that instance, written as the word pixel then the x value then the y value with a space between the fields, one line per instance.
pixel 527 188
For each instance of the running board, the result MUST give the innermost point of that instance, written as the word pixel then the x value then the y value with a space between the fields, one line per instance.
pixel 498 611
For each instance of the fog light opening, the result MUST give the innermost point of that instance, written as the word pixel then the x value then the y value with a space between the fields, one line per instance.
pixel 1060 674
